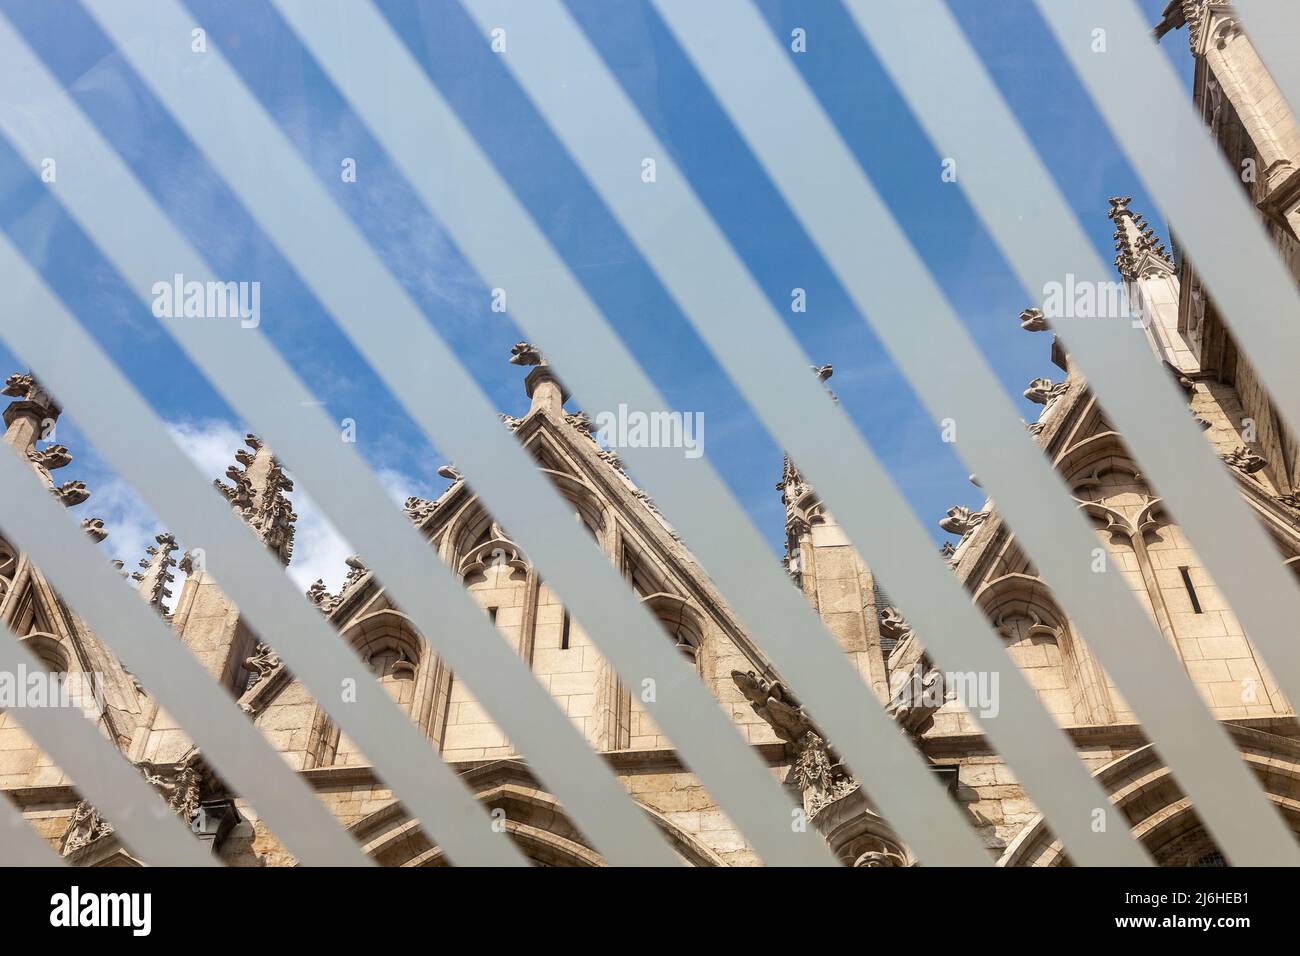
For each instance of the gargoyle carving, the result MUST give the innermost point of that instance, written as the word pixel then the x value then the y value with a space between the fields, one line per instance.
pixel 960 520
pixel 1041 391
pixel 919 695
pixel 261 665
pixel 816 772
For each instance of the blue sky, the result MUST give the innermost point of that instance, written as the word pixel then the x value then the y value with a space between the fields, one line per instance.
pixel 1016 46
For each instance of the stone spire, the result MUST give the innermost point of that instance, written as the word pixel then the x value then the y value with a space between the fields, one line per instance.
pixel 542 386
pixel 1135 241
pixel 258 494
pixel 153 580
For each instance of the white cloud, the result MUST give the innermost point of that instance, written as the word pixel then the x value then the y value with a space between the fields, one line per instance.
pixel 319 550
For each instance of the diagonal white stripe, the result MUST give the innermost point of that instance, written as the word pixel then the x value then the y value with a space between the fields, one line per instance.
pixel 1000 169
pixel 135 634
pixel 603 132
pixel 401 558
pixel 553 309
pixel 20 844
pixel 98 770
pixel 108 407
pixel 1274 29
pixel 387 328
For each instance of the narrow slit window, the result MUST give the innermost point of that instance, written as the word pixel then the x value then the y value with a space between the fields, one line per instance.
pixel 1191 590
pixel 492 614
pixel 564 633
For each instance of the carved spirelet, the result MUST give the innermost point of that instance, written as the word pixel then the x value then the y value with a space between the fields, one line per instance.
pixel 258 492
pixel 156 571
pixel 1135 239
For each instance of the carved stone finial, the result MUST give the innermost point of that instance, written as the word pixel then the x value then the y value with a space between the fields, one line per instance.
pixel 258 493
pixel 95 528
pixel 541 384
pixel 1033 320
pixel 525 353
pixel 823 373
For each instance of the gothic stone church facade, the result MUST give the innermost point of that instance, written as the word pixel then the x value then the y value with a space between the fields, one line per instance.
pixel 1245 112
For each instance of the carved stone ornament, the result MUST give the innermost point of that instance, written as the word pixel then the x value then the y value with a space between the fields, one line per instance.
pixel 184 786
pixel 1041 391
pixel 419 509
pixel 1033 320
pixel 1245 460
pixel 917 698
pixel 816 771
pixel 85 827
pixel 261 665
pixel 258 493
pixel 960 520
pixel 524 353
